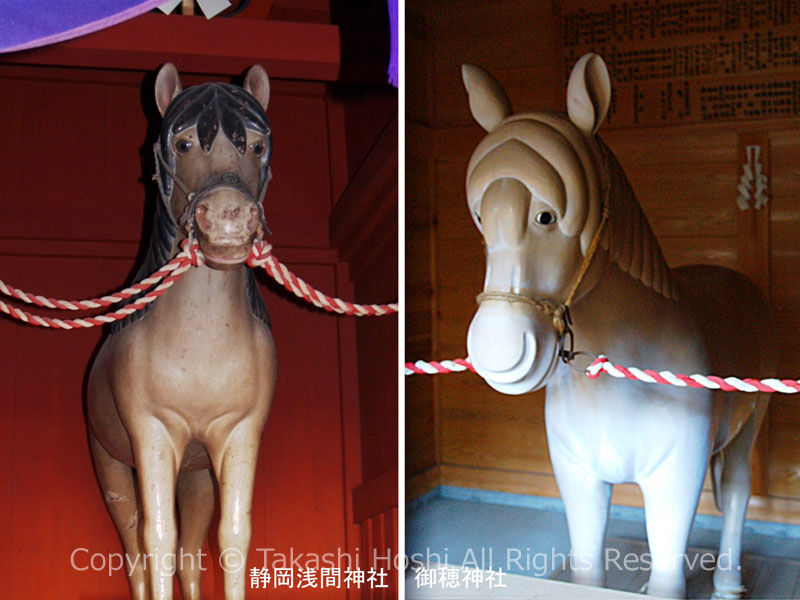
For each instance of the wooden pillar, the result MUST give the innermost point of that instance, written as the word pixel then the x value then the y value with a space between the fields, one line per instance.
pixel 754 258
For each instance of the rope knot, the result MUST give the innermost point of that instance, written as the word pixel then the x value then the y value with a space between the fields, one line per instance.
pixel 259 254
pixel 192 250
pixel 557 312
pixel 593 370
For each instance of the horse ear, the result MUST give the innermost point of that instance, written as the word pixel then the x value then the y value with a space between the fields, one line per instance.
pixel 257 83
pixel 168 85
pixel 588 93
pixel 487 100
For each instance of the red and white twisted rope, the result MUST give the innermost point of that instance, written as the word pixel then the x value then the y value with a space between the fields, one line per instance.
pixel 712 382
pixel 105 301
pixel 262 257
pixel 189 256
pixel 433 367
pixel 603 365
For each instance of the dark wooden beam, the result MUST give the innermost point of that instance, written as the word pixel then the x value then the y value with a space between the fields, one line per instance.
pixel 306 51
pixel 366 214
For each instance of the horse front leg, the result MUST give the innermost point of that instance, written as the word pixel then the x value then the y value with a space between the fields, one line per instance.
pixel 671 494
pixel 235 466
pixel 586 500
pixel 157 460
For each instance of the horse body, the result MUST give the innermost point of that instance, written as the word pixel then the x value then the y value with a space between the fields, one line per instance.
pixel 563 229
pixel 181 396
pixel 204 356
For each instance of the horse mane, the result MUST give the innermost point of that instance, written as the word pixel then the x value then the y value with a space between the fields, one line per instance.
pixel 158 253
pixel 634 247
pixel 632 244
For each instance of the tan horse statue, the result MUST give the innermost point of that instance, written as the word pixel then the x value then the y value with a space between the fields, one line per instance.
pixel 185 390
pixel 563 230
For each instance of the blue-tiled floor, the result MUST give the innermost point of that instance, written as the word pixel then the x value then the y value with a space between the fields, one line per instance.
pixel 527 535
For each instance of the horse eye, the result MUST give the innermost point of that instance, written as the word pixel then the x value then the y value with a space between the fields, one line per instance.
pixel 183 146
pixel 258 148
pixel 546 217
pixel 478 217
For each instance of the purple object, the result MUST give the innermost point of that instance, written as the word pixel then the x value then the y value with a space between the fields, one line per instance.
pixel 392 72
pixel 32 23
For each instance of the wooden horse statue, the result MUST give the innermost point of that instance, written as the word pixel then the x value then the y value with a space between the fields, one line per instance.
pixel 563 230
pixel 185 389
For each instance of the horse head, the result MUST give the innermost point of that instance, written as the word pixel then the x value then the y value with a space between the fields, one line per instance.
pixel 537 188
pixel 213 185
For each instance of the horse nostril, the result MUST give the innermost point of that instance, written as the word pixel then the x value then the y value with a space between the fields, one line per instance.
pixel 201 216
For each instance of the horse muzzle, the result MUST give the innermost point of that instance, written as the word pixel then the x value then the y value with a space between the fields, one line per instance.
pixel 512 346
pixel 227 220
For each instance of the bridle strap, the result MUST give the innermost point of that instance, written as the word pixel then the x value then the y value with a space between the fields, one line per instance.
pixel 162 164
pixel 551 309
pixel 590 251
pixel 558 311
pixel 194 198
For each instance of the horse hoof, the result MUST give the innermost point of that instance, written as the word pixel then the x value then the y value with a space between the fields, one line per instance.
pixel 732 594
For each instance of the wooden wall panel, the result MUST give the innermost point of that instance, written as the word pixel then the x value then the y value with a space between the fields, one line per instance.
pixel 518 61
pixel 673 205
pixel 488 430
pixel 421 415
pixel 695 61
pixel 380 534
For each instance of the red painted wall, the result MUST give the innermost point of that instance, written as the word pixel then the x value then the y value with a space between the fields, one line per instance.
pixel 73 207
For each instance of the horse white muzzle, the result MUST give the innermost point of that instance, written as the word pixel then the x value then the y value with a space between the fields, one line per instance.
pixel 512 346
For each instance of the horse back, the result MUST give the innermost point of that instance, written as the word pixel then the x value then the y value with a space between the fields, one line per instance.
pixel 734 318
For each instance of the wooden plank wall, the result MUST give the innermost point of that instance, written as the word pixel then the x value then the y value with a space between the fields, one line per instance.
pixel 456 424
pixel 364 228
pixel 684 166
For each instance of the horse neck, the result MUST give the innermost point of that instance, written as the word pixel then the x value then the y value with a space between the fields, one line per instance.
pixel 634 248
pixel 205 293
pixel 624 319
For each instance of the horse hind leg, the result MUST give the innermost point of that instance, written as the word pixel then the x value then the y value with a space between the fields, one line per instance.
pixel 731 471
pixel 195 496
pixel 118 486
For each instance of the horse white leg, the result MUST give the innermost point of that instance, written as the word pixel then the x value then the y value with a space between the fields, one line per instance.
pixel 586 500
pixel 157 461
pixel 671 494
pixel 235 466
pixel 734 494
